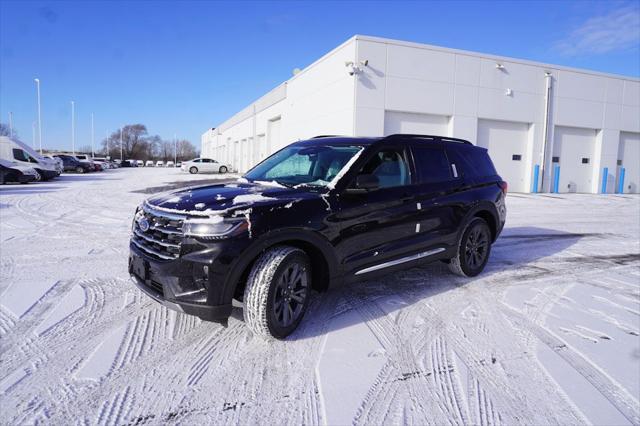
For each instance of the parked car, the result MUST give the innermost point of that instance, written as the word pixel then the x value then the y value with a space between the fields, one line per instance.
pixel 159 163
pixel 204 165
pixel 58 163
pixel 15 151
pixel 170 164
pixel 72 164
pixel 179 164
pixel 84 158
pixel 149 163
pixel 14 172
pixel 139 163
pixel 315 214
pixel 106 164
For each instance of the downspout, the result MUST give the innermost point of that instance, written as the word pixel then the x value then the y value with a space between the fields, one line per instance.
pixel 547 121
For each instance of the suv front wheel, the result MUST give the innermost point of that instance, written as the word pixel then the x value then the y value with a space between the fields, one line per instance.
pixel 277 292
pixel 473 250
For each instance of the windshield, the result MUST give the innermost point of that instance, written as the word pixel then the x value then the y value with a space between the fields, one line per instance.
pixel 304 165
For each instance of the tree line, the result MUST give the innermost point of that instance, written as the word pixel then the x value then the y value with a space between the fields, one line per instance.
pixel 137 144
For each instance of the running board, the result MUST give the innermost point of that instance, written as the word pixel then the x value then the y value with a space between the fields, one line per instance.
pixel 399 261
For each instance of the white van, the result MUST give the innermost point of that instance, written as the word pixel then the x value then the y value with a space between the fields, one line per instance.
pixel 20 153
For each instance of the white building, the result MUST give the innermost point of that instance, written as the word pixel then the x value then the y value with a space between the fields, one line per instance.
pixel 535 119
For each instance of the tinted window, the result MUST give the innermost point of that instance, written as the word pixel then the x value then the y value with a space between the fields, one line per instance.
pixel 206 160
pixel 472 161
pixel 432 164
pixel 390 167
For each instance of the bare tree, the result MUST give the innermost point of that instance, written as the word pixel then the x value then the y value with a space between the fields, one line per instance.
pixel 5 131
pixel 138 145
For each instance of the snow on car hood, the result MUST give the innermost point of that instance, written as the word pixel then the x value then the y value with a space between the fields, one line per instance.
pixel 222 197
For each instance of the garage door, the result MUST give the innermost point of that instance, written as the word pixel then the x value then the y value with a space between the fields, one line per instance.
pixel 421 124
pixel 629 158
pixel 507 144
pixel 573 151
pixel 273 135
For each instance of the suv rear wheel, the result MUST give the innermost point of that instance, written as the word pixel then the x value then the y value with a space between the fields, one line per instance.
pixel 473 250
pixel 277 292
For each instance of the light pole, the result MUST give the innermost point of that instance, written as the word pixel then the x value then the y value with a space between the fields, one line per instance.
pixel 93 153
pixel 39 115
pixel 175 150
pixel 108 154
pixel 73 127
pixel 33 133
pixel 121 158
pixel 10 124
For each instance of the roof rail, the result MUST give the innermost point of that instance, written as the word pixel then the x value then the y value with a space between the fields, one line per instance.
pixel 432 137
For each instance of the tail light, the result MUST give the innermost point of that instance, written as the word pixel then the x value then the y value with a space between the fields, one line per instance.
pixel 504 186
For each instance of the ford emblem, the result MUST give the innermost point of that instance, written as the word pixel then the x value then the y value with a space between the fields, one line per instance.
pixel 143 223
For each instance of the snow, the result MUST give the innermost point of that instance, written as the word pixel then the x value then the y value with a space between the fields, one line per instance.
pixel 251 198
pixel 548 334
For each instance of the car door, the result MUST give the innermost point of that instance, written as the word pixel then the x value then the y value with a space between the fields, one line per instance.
pixel 438 196
pixel 378 225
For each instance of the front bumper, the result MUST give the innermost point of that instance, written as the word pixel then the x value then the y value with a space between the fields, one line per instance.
pixel 180 285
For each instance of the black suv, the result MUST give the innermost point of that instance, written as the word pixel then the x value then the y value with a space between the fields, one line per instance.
pixel 315 214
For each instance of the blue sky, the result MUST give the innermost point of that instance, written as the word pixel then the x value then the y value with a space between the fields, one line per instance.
pixel 181 67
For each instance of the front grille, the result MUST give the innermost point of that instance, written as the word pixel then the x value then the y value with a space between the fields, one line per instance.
pixel 163 238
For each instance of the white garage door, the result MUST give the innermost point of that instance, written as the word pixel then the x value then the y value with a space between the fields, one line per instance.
pixel 629 158
pixel 273 135
pixel 421 124
pixel 507 144
pixel 573 150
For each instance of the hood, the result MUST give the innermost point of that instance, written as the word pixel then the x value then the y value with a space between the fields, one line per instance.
pixel 225 197
pixel 22 168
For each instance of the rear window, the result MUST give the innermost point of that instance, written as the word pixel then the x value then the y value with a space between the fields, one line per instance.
pixel 432 164
pixel 474 162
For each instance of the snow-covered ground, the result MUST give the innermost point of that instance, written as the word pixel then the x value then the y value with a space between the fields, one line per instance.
pixel 549 334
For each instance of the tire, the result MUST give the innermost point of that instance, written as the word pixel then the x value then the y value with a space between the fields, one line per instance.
pixel 474 249
pixel 38 175
pixel 79 169
pixel 193 170
pixel 223 170
pixel 279 273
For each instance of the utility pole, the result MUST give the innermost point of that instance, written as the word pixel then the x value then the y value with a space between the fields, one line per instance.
pixel 93 152
pixel 73 127
pixel 121 158
pixel 10 124
pixel 39 115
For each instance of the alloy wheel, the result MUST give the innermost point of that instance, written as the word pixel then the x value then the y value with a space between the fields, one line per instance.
pixel 290 294
pixel 476 248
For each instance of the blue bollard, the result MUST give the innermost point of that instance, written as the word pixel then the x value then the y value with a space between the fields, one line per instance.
pixel 556 179
pixel 536 174
pixel 605 176
pixel 621 182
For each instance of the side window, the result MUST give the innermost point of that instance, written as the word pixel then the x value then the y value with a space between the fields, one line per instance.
pixel 474 162
pixel 432 164
pixel 206 160
pixel 20 155
pixel 390 167
pixel 197 160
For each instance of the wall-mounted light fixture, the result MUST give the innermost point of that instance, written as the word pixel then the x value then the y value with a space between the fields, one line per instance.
pixel 499 66
pixel 508 92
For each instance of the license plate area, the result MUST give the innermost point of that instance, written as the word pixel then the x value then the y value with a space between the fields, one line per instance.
pixel 139 267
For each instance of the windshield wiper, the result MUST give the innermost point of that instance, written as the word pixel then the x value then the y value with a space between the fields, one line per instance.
pixel 288 185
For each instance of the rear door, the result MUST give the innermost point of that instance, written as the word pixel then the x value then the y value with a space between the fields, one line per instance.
pixel 379 225
pixel 439 197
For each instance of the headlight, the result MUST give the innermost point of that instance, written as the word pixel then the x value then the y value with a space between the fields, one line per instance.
pixel 136 216
pixel 215 227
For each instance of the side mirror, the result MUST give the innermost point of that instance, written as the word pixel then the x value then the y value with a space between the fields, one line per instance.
pixel 364 183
